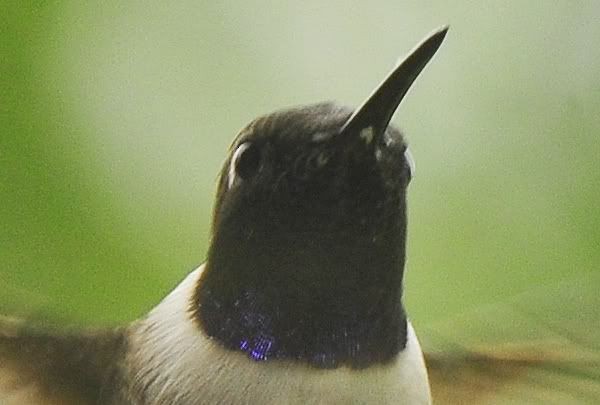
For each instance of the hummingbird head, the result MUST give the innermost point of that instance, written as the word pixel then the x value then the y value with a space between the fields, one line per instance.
pixel 308 248
pixel 294 175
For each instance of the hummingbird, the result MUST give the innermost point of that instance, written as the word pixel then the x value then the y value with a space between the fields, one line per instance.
pixel 300 300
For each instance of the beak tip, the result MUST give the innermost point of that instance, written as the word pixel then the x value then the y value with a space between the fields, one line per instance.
pixel 444 29
pixel 435 39
pixel 440 32
pixel 378 109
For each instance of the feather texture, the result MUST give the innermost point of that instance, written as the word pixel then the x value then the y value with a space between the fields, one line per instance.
pixel 548 364
pixel 39 368
pixel 494 355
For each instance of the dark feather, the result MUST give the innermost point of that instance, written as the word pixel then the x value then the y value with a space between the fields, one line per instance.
pixel 55 368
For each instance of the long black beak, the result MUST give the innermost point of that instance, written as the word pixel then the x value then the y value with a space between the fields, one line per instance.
pixel 376 112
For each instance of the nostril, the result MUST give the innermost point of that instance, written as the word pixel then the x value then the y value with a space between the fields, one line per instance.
pixel 309 163
pixel 317 159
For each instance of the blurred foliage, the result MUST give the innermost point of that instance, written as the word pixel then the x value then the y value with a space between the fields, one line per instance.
pixel 115 117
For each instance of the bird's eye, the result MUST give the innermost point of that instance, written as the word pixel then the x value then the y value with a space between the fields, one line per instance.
pixel 410 162
pixel 245 162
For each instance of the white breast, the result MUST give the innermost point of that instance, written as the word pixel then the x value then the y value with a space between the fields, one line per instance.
pixel 173 362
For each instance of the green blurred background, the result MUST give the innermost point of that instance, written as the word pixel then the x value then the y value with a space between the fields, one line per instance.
pixel 116 116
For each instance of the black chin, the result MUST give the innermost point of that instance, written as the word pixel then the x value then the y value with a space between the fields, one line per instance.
pixel 323 288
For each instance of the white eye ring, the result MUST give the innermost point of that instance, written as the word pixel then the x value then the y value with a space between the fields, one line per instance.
pixel 231 175
pixel 410 160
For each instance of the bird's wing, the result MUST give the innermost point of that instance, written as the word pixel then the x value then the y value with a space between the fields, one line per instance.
pixel 524 375
pixel 49 369
pixel 540 347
